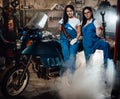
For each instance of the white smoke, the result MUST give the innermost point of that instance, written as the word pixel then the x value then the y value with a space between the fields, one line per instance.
pixel 88 81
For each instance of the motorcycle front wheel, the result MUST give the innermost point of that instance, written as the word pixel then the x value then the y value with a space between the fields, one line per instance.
pixel 11 85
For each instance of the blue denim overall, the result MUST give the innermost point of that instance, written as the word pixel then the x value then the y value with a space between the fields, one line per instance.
pixel 69 51
pixel 91 42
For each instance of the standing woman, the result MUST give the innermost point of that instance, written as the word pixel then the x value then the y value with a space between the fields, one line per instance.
pixel 72 27
pixel 92 33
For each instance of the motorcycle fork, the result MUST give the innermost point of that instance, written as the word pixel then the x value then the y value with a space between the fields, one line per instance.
pixel 25 70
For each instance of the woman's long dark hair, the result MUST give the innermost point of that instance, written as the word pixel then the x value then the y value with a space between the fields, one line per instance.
pixel 65 16
pixel 83 16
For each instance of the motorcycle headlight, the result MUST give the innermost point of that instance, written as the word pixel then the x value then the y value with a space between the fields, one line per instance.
pixel 18 44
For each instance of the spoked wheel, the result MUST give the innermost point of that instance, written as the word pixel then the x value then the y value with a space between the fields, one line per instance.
pixel 12 85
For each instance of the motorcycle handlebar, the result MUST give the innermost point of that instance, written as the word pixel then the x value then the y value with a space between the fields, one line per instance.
pixel 34 33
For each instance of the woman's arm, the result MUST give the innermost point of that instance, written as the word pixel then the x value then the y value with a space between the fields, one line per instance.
pixel 2 38
pixel 60 25
pixel 99 31
pixel 99 28
pixel 78 28
pixel 59 29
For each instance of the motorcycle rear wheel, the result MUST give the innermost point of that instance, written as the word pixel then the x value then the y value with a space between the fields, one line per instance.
pixel 11 86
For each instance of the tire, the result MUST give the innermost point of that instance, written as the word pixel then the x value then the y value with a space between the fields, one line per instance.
pixel 10 86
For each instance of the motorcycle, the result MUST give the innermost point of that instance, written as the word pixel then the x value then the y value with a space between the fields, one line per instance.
pixel 38 49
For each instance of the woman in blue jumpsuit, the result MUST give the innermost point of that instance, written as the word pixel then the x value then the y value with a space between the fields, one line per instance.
pixel 92 33
pixel 72 27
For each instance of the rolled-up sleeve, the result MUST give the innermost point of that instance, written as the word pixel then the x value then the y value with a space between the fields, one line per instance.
pixel 97 23
pixel 61 21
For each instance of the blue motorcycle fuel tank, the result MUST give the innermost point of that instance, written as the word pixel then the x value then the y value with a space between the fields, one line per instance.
pixel 49 52
pixel 43 48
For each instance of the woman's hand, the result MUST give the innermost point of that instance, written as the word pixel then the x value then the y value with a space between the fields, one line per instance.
pixel 99 31
pixel 73 41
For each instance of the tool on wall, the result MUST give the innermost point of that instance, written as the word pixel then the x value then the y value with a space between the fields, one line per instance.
pixel 103 23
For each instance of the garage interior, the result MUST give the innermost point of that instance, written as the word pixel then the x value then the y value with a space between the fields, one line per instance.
pixel 22 11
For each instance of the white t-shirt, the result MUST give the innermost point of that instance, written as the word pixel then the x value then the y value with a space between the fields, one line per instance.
pixel 96 23
pixel 72 21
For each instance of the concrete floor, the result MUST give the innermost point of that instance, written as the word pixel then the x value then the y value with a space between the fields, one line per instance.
pixel 44 89
pixel 39 88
